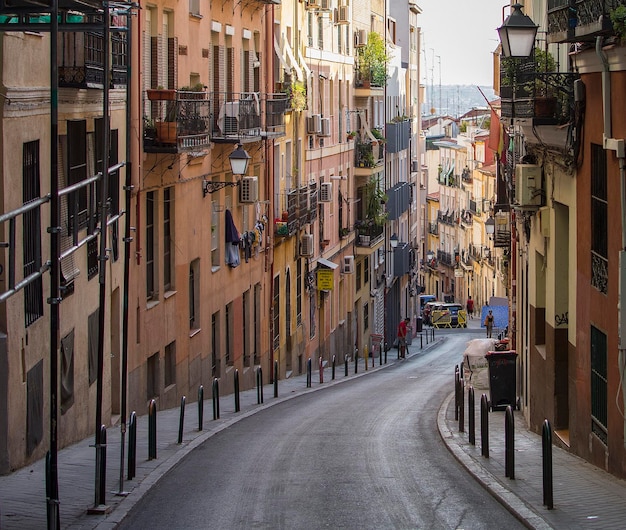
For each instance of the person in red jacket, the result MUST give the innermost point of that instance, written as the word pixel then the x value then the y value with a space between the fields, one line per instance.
pixel 402 331
pixel 469 305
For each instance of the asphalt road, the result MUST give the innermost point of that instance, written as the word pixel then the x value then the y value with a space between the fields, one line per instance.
pixel 362 454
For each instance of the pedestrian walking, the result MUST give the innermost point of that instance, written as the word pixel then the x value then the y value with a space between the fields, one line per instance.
pixel 470 307
pixel 402 331
pixel 489 323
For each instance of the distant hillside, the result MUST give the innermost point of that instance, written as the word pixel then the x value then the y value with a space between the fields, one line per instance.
pixel 454 100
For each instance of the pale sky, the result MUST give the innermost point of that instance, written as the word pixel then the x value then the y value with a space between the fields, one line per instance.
pixel 463 34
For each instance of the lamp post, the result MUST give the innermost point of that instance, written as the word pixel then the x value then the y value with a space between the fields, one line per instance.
pixel 517 33
pixel 490 227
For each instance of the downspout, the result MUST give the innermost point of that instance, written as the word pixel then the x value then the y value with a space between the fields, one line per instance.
pixel 617 145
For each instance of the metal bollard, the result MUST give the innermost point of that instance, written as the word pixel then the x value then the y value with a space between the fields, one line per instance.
pixel 356 361
pixel 216 399
pixel 101 467
pixel 181 421
pixel 346 366
pixel 386 350
pixel 456 393
pixel 333 373
pixel 200 407
pixel 472 418
pixel 132 446
pixel 421 342
pixel 237 405
pixel 275 379
pixel 321 366
pixel 380 356
pixel 461 370
pixel 509 443
pixel 52 503
pixel 309 369
pixel 259 385
pixel 461 405
pixel 152 430
pixel 484 426
pixel 546 446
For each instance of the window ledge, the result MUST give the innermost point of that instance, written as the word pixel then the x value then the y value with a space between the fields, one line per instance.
pixel 194 332
pixel 215 268
pixel 152 303
pixel 197 16
pixel 169 294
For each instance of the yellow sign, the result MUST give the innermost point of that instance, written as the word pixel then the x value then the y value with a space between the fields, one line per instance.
pixel 325 280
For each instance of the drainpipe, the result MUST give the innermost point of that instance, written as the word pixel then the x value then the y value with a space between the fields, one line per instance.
pixel 617 145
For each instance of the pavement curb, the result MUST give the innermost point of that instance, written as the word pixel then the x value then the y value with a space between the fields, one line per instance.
pixel 514 504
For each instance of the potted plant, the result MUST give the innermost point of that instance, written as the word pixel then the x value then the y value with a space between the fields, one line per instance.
pixel 166 129
pixel 372 61
pixel 618 19
pixel 161 94
pixel 149 131
pixel 351 135
pixel 296 91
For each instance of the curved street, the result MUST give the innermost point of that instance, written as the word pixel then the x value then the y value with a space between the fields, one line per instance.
pixel 362 454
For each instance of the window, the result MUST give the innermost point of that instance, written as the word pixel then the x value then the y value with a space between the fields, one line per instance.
pixel 215 230
pixel 34 407
pixel 170 364
pixel 366 270
pixel 152 376
pixel 31 242
pixel 599 221
pixel 246 328
pixel 358 277
pixel 77 172
pixel 229 335
pixel 67 372
pixel 215 344
pixel 194 7
pixel 599 384
pixel 151 242
pixel 92 345
pixel 168 256
pixel 299 293
pixel 276 314
pixel 194 294
pixel 320 33
pixel 257 323
pixel 92 258
pixel 230 73
pixel 366 316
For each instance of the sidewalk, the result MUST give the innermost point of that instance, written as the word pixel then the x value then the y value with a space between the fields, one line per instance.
pixel 584 496
pixel 23 493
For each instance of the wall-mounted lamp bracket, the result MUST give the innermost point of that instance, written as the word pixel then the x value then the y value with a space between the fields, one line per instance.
pixel 209 186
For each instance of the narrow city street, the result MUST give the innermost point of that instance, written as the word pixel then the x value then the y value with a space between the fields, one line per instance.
pixel 362 454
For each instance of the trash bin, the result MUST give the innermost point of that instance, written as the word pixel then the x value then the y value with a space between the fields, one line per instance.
pixel 502 379
pixel 419 324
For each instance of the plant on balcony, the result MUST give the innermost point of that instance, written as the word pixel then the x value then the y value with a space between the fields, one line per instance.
pixel 618 18
pixel 378 135
pixel 149 129
pixel 373 59
pixel 351 135
pixel 375 199
pixel 296 91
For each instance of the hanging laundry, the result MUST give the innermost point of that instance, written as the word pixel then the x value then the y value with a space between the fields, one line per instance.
pixel 232 241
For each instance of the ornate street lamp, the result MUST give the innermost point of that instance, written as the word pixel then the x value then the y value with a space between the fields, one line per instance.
pixel 239 160
pixel 393 240
pixel 490 227
pixel 517 33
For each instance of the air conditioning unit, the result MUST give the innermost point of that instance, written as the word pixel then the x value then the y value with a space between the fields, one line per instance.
pixel 325 129
pixel 343 15
pixel 414 166
pixel 306 245
pixel 347 266
pixel 360 38
pixel 314 124
pixel 249 189
pixel 528 190
pixel 313 4
pixel 326 192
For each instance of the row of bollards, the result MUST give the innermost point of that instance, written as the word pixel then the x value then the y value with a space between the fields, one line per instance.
pixel 509 434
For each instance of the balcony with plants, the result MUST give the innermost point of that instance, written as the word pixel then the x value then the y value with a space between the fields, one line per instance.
pixel 581 21
pixel 176 120
pixel 533 91
pixel 370 225
pixel 368 153
pixel 371 66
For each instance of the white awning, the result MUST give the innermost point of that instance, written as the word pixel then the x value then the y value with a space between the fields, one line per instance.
pixel 327 263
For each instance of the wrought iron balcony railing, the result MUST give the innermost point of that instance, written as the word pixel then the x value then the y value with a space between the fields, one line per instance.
pixel 368 154
pixel 580 20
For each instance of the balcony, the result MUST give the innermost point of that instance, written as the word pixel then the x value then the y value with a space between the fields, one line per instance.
pixel 369 83
pixel 81 65
pixel 368 157
pixel 528 92
pixel 369 236
pixel 445 258
pixel 247 116
pixel 448 218
pixel 433 229
pixel 176 121
pixel 580 20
